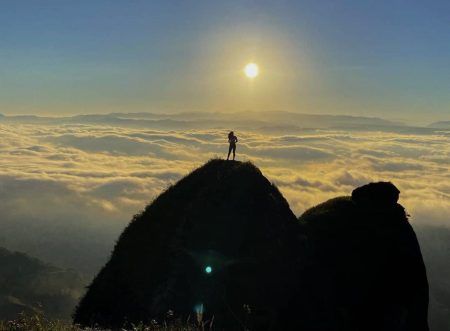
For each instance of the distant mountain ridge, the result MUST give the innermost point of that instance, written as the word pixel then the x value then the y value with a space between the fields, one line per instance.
pixel 272 121
pixel 440 125
pixel 268 120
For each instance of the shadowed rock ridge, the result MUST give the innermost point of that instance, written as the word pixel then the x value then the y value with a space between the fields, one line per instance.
pixel 351 263
pixel 368 264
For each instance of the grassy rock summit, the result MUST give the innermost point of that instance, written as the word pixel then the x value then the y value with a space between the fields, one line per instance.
pixel 223 245
pixel 221 241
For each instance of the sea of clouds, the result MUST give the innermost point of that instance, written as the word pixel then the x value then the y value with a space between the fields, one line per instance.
pixel 67 190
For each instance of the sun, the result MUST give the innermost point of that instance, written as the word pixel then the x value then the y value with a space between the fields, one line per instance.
pixel 251 70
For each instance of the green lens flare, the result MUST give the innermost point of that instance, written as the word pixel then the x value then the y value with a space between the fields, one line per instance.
pixel 208 269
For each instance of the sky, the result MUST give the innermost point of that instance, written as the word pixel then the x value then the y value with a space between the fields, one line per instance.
pixel 387 59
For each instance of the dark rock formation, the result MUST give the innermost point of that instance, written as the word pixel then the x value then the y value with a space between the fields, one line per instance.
pixel 368 264
pixel 224 215
pixel 383 193
pixel 224 240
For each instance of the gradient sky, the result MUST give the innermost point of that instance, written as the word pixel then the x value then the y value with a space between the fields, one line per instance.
pixel 379 58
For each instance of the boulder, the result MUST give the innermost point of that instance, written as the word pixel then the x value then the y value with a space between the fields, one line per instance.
pixel 368 265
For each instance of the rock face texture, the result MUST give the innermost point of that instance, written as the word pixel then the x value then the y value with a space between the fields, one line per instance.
pixel 367 262
pixel 222 240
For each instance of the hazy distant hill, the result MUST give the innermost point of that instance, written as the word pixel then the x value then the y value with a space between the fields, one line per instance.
pixel 440 125
pixel 28 284
pixel 435 244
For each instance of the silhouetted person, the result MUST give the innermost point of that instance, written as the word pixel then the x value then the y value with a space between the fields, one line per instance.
pixel 232 139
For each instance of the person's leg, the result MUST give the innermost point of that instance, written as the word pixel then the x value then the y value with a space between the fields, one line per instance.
pixel 229 152
pixel 234 151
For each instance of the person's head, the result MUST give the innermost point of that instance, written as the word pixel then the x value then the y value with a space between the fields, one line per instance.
pixel 231 134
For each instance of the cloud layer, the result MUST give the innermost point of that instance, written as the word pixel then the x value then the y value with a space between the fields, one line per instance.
pixel 73 187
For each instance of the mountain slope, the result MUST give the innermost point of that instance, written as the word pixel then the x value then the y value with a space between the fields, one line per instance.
pixel 225 218
pixel 27 284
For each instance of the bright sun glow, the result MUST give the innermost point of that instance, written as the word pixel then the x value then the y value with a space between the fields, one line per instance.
pixel 251 70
